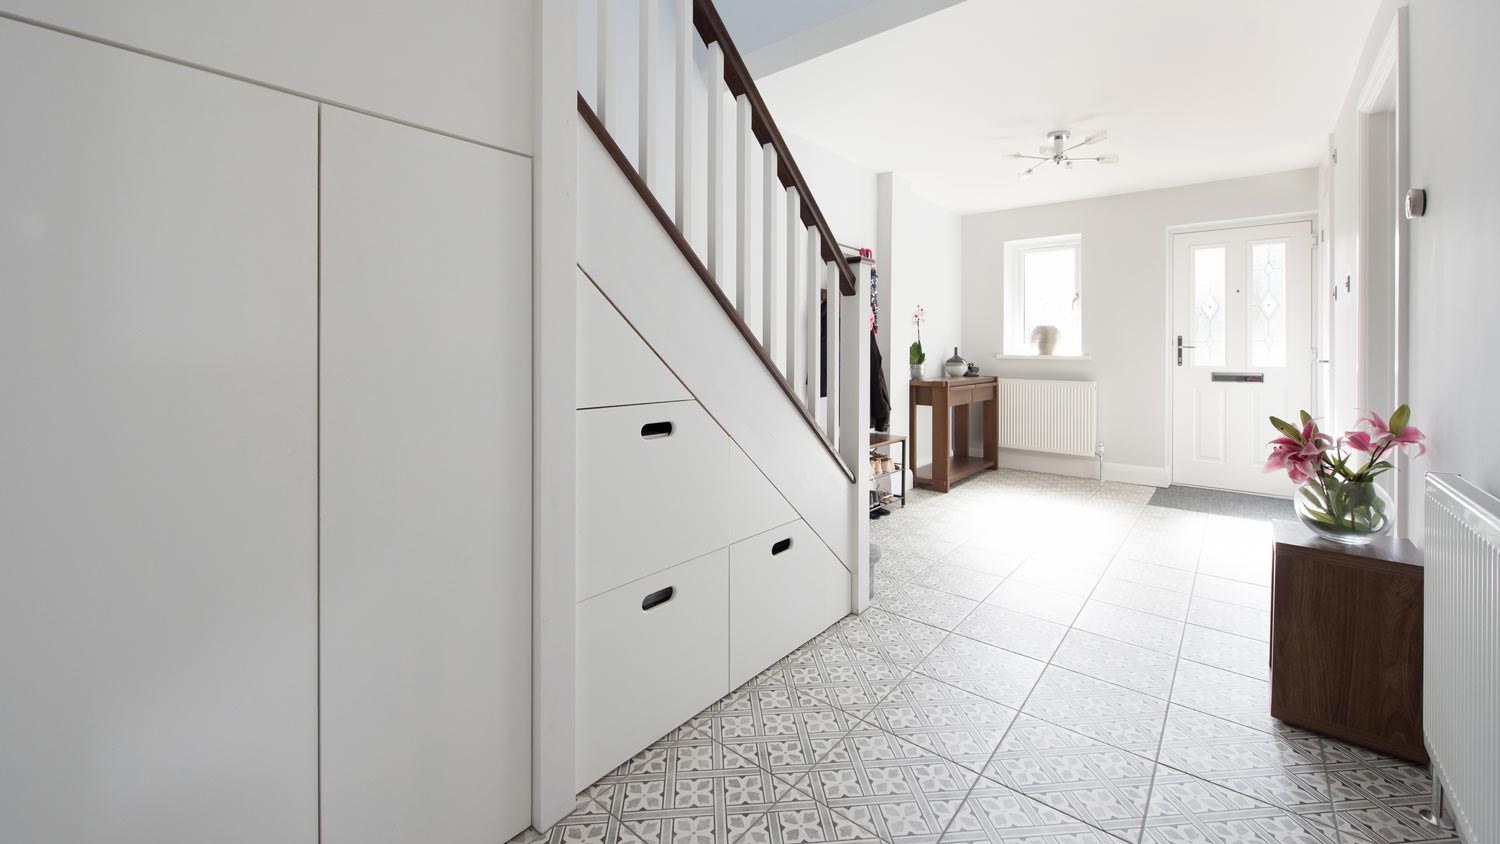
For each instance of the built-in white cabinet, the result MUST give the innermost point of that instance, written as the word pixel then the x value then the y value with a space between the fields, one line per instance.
pixel 785 587
pixel 652 480
pixel 158 451
pixel 616 366
pixel 265 462
pixel 426 471
pixel 459 66
pixel 651 654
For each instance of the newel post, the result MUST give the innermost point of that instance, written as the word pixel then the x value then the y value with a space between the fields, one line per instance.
pixel 854 428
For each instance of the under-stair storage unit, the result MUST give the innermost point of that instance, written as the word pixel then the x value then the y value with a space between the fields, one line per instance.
pixel 651 654
pixel 426 516
pixel 651 487
pixel 785 587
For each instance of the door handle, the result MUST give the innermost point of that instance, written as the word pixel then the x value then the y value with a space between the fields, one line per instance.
pixel 1180 347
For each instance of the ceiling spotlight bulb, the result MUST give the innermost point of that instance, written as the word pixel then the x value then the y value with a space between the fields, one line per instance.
pixel 1025 174
pixel 1098 137
pixel 1109 159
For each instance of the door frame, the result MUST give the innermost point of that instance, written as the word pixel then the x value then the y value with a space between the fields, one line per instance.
pixel 1385 90
pixel 1168 348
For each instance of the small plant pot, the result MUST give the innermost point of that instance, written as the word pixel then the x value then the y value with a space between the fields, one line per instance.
pixel 916 372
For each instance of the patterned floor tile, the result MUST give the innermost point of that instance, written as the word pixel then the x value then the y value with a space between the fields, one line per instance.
pixel 1143 598
pixel 1070 557
pixel 943 719
pixel 1230 618
pixel 1112 714
pixel 1184 808
pixel 1039 601
pixel 956 580
pixel 1002 676
pixel 900 567
pixel 1377 797
pixel 1287 773
pixel 1225 694
pixel 978 557
pixel 1233 592
pixel 905 793
pixel 1231 565
pixel 1133 626
pixel 1149 574
pixel 689 794
pixel 897 640
pixel 1014 631
pixel 1239 654
pixel 1074 773
pixel 927 606
pixel 1164 549
pixel 1072 581
pixel 1117 662
pixel 996 814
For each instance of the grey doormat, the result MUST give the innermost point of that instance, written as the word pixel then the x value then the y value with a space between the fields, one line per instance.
pixel 1221 503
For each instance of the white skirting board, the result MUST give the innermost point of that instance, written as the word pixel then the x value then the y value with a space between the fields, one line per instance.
pixel 1084 467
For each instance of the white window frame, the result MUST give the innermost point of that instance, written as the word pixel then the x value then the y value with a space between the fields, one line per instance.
pixel 1014 341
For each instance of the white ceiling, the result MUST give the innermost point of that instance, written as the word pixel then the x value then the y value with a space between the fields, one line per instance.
pixel 1190 91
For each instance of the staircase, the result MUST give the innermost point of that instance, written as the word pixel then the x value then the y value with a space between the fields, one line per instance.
pixel 723 346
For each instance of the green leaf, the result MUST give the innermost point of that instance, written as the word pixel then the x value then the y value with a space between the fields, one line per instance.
pixel 1287 428
pixel 1306 417
pixel 1312 496
pixel 1399 419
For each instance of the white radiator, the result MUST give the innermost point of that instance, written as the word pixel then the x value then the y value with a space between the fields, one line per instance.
pixel 1052 416
pixel 1461 651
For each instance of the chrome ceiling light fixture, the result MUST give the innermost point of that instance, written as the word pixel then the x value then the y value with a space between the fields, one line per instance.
pixel 1057 151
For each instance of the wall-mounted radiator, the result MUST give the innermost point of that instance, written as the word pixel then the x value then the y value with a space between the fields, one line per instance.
pixel 1461 651
pixel 1052 416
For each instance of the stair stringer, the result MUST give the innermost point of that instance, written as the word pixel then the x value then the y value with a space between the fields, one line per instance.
pixel 636 264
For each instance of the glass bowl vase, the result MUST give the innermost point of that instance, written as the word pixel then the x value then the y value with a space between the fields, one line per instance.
pixel 1349 512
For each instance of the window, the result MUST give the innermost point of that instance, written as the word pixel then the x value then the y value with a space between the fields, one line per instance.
pixel 1044 290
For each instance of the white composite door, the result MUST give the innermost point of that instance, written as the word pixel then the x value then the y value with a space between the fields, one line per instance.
pixel 1241 350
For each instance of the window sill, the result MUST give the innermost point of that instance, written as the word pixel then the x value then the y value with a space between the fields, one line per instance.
pixel 1063 358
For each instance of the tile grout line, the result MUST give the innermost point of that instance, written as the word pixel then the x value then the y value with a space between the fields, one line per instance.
pixel 1020 710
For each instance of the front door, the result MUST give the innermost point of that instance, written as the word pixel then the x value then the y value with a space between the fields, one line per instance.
pixel 1241 350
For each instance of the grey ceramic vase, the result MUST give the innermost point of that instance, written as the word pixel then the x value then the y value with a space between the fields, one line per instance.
pixel 955 366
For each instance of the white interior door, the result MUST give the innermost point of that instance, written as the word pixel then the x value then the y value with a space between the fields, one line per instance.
pixel 1242 337
pixel 425 486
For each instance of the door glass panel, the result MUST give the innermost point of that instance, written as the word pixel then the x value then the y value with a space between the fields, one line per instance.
pixel 1267 311
pixel 1208 305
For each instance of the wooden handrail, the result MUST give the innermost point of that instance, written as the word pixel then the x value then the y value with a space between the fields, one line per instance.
pixel 737 76
pixel 591 119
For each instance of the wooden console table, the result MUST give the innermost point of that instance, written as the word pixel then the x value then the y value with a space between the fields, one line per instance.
pixel 1346 640
pixel 950 398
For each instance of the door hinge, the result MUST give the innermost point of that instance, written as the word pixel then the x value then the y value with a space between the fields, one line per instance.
pixel 1334 156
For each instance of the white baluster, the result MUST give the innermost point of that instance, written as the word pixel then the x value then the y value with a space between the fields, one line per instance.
pixel 812 319
pixel 684 144
pixel 646 126
pixel 744 142
pixel 793 286
pixel 604 92
pixel 716 93
pixel 835 302
pixel 770 268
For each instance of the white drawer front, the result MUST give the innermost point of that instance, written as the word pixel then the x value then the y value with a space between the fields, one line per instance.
pixel 652 482
pixel 642 672
pixel 785 587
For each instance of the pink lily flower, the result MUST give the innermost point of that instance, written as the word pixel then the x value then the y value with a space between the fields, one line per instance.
pixel 1359 441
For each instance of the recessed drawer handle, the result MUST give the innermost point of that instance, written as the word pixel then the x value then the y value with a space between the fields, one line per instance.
pixel 783 545
pixel 656 430
pixel 657 598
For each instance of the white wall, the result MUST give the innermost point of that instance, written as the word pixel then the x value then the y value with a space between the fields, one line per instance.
pixel 459 66
pixel 1124 301
pixel 1454 390
pixel 920 253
